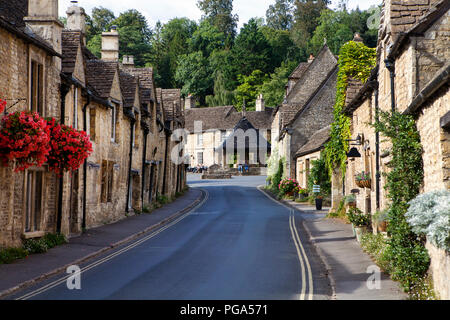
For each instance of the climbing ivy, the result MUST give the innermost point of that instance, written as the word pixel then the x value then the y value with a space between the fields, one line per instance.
pixel 355 61
pixel 406 252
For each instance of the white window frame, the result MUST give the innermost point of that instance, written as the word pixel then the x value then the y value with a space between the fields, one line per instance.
pixel 113 123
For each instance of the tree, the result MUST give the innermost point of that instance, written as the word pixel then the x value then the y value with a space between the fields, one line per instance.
pixel 251 50
pixel 280 15
pixel 135 36
pixel 194 73
pixel 220 14
pixel 249 88
pixel 274 89
pixel 282 48
pixel 221 97
pixel 306 15
pixel 207 38
pixel 100 21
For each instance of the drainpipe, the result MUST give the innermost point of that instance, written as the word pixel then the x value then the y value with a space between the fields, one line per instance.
pixel 390 65
pixel 83 224
pixel 144 158
pixel 166 133
pixel 132 123
pixel 64 91
pixel 377 143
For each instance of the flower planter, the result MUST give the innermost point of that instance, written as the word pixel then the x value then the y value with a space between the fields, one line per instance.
pixel 382 227
pixel 319 204
pixel 354 230
pixel 359 184
pixel 367 184
pixel 359 232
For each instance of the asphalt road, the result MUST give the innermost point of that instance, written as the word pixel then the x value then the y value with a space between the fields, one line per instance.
pixel 239 245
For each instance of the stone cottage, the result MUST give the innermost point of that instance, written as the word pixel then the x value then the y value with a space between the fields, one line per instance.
pixel 412 77
pixel 208 129
pixel 52 72
pixel 308 106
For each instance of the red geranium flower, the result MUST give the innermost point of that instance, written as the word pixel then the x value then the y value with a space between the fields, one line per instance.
pixel 2 105
pixel 24 138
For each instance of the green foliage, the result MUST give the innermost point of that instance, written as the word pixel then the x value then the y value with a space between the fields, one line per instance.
pixel 319 175
pixel 376 246
pixel 193 71
pixel 429 215
pixel 249 88
pixel 274 89
pixel 42 245
pixel 355 61
pixel 277 177
pixel 280 15
pixel 406 253
pixel 358 219
pixel 10 255
pixel 221 97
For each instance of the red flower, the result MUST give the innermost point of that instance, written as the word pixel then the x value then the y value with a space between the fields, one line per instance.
pixel 2 105
pixel 24 137
pixel 69 147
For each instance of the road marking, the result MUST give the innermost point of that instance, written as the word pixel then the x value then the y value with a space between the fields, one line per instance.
pixel 302 264
pixel 308 265
pixel 298 244
pixel 115 254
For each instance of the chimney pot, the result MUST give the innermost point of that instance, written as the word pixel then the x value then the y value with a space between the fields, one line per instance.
pixel 260 104
pixel 311 58
pixel 76 18
pixel 110 45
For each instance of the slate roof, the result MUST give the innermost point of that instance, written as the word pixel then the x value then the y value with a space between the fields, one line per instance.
pixel 299 71
pixel 226 118
pixel 316 143
pixel 145 76
pixel 12 14
pixel 128 84
pixel 245 125
pixel 100 76
pixel 171 99
pixel 71 41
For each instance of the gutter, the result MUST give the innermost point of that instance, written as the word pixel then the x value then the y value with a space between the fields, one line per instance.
pixel 83 224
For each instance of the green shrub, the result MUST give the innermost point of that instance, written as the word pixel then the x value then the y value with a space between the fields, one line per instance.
pixel 34 246
pixel 358 219
pixel 54 240
pixel 9 255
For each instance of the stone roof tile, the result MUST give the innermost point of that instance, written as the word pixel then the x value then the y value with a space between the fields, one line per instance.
pixel 316 143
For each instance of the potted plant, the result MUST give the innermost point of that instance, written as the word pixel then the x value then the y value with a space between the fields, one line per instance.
pixel 381 219
pixel 287 187
pixel 363 180
pixel 302 193
pixel 359 220
pixel 319 202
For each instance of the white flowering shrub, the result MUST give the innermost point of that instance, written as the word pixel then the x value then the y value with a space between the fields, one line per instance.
pixel 429 214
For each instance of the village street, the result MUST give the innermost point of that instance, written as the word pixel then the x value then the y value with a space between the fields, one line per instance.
pixel 238 245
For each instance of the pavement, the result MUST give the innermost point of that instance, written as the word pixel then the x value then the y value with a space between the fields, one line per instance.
pixel 95 242
pixel 348 266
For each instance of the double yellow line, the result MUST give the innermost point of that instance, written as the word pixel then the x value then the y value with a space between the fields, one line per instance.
pixel 301 253
pixel 113 255
pixel 303 258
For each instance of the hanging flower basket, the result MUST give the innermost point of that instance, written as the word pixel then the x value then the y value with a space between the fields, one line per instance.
pixel 69 147
pixel 24 138
pixel 288 187
pixel 363 180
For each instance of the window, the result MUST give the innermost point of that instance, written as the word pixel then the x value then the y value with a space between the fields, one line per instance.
pixel 92 123
pixel 34 201
pixel 37 86
pixel 113 123
pixel 107 181
pixel 200 139
pixel 200 158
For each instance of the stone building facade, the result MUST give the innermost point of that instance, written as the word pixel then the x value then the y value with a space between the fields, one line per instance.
pixel 208 129
pixel 114 102
pixel 413 52
pixel 308 107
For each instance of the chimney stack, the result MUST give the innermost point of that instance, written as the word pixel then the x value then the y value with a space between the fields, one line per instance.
pixel 110 45
pixel 358 38
pixel 76 19
pixel 311 58
pixel 128 62
pixel 189 103
pixel 260 105
pixel 43 20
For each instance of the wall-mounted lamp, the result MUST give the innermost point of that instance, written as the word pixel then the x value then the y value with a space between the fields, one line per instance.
pixel 354 153
pixel 358 140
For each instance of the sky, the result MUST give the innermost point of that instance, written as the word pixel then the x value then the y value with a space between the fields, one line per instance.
pixel 165 10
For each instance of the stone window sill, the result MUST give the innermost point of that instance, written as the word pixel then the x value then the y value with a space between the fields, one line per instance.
pixel 33 235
